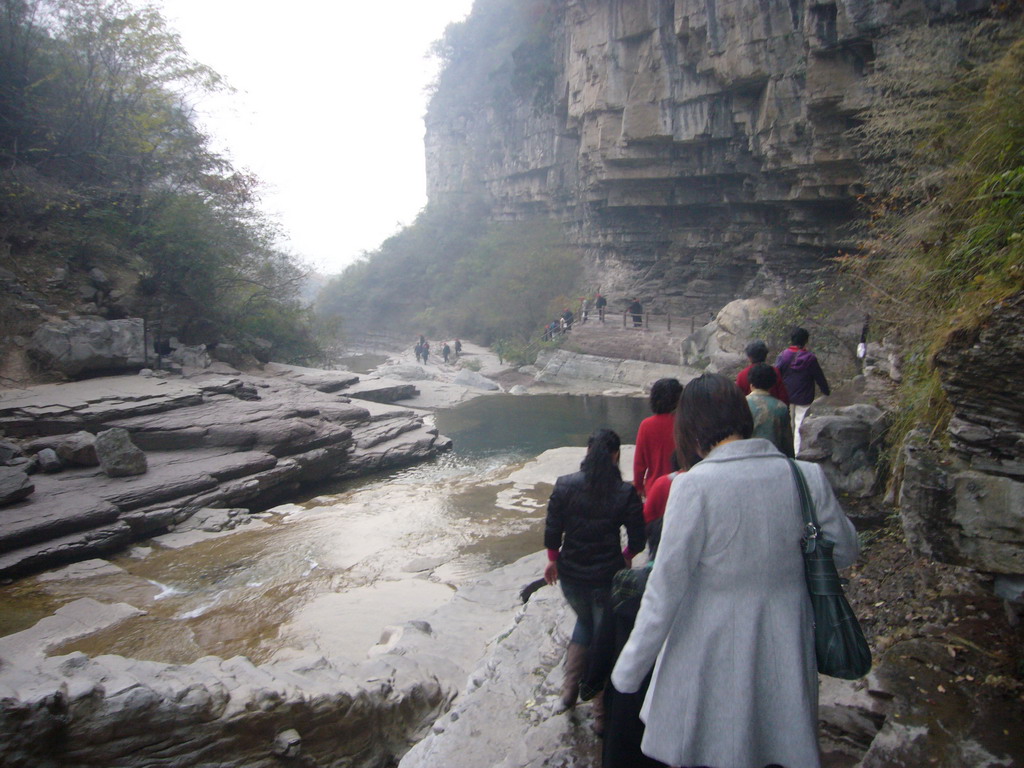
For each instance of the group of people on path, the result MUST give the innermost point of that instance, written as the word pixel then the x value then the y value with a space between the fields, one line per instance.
pixel 564 322
pixel 703 656
pixel 422 350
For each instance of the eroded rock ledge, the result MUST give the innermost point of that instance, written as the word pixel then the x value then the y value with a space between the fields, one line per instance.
pixel 210 441
pixel 74 710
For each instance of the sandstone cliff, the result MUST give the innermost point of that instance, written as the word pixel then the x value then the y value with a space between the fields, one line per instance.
pixel 698 149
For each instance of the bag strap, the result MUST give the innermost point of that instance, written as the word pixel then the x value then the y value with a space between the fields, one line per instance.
pixel 811 528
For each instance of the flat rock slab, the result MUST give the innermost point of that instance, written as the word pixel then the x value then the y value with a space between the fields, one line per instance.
pixel 181 539
pixel 320 380
pixel 86 569
pixel 52 409
pixel 206 444
pixel 76 619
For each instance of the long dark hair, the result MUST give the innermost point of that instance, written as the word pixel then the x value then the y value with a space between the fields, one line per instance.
pixel 711 409
pixel 599 467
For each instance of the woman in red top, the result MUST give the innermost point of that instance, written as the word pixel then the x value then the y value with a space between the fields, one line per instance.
pixel 655 441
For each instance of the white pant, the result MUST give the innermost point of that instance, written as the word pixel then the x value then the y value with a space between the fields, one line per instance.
pixel 797 413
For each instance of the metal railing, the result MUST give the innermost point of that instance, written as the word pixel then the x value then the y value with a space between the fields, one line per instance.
pixel 648 321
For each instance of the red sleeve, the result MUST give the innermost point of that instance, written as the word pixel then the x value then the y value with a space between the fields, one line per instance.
pixel 640 458
pixel 778 390
pixel 742 381
pixel 657 498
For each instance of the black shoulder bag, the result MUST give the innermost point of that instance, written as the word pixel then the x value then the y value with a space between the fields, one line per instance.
pixel 839 643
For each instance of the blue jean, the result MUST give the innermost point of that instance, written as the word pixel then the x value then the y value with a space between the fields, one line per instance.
pixel 589 605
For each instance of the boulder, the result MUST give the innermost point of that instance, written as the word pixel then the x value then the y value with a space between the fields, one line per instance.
pixel 736 322
pixel 957 515
pixel 718 346
pixel 76 449
pixel 847 442
pixel 118 455
pixel 8 451
pixel 81 346
pixel 99 278
pixel 15 485
pixel 191 357
pixel 233 356
pixel 49 462
pixel 467 378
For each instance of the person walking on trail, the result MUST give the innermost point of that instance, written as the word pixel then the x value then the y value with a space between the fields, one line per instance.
pixel 584 309
pixel 586 513
pixel 800 372
pixel 446 352
pixel 600 302
pixel 426 351
pixel 757 352
pixel 655 439
pixel 458 348
pixel 636 309
pixel 725 620
pixel 771 415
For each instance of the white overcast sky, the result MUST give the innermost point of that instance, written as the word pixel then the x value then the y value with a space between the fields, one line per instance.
pixel 328 109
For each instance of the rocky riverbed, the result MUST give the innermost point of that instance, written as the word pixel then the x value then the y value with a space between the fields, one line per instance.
pixel 468 684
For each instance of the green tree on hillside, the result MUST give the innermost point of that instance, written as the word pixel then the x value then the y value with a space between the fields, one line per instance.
pixel 453 272
pixel 102 164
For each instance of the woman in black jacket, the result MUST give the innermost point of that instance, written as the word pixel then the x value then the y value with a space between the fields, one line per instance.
pixel 582 535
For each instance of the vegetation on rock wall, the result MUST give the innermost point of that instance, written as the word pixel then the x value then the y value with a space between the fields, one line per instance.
pixel 946 237
pixel 502 52
pixel 453 272
pixel 102 165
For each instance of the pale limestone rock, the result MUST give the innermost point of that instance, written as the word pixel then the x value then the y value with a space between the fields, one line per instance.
pixel 82 345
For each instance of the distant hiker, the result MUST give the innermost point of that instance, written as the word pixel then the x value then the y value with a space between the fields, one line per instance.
pixel 584 309
pixel 725 612
pixel 425 350
pixel 757 352
pixel 567 319
pixel 771 415
pixel 601 302
pixel 458 348
pixel 655 439
pixel 418 349
pixel 586 513
pixel 636 309
pixel 800 372
pixel 445 352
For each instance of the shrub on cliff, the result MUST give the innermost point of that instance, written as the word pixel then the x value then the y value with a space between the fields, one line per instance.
pixel 944 243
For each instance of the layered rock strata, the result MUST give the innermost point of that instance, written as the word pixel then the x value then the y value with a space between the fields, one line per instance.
pixel 699 150
pixel 965 506
pixel 207 443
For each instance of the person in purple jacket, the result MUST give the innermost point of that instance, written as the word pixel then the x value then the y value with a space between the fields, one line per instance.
pixel 800 372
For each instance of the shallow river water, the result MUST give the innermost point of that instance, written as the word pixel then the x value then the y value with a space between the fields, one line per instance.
pixel 326 574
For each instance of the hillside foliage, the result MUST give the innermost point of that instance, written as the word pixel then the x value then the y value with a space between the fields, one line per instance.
pixel 102 165
pixel 945 237
pixel 453 272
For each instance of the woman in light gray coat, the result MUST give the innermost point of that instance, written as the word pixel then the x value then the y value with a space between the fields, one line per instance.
pixel 726 614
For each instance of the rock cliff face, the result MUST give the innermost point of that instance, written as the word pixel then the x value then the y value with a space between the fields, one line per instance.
pixel 698 148
pixel 964 506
